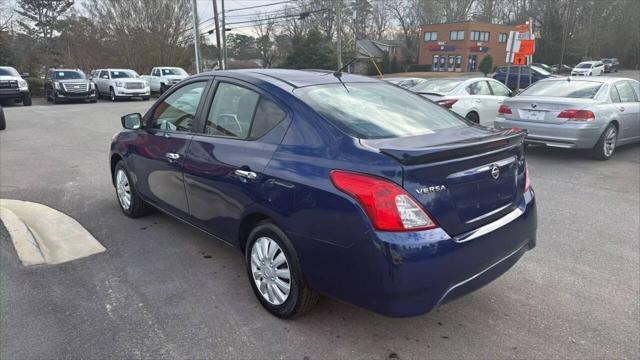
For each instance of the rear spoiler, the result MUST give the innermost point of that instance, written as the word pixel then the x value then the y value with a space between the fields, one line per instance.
pixel 495 142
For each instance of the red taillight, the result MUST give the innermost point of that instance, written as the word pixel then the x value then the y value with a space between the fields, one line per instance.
pixel 447 103
pixel 527 183
pixel 504 109
pixel 389 206
pixel 577 115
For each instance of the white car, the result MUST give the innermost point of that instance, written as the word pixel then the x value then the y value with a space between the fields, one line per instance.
pixel 120 83
pixel 13 87
pixel 588 68
pixel 164 77
pixel 477 99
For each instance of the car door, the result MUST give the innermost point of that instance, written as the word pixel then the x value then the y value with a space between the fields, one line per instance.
pixel 159 158
pixel 103 82
pixel 483 101
pixel 224 169
pixel 628 109
pixel 154 81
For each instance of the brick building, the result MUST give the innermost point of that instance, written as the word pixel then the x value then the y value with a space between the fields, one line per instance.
pixel 461 46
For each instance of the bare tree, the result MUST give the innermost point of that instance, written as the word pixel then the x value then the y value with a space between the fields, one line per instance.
pixel 405 13
pixel 144 33
pixel 6 14
pixel 380 19
pixel 265 29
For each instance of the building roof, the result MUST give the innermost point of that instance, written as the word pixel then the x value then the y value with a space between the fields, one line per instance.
pixel 469 22
pixel 375 48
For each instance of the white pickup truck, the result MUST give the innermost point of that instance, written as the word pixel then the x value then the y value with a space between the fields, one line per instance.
pixel 164 77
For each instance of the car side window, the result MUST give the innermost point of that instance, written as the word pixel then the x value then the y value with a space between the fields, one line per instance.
pixel 156 72
pixel 232 111
pixel 636 87
pixel 479 88
pixel 614 95
pixel 267 116
pixel 625 91
pixel 177 111
pixel 499 89
pixel 104 74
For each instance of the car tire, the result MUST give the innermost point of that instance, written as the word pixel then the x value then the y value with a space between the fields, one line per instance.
pixel 163 88
pixel 3 121
pixel 112 95
pixel 26 100
pixel 473 117
pixel 300 298
pixel 55 98
pixel 146 98
pixel 125 189
pixel 606 145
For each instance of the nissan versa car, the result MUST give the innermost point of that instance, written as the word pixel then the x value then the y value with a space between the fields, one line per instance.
pixel 332 184
pixel 597 114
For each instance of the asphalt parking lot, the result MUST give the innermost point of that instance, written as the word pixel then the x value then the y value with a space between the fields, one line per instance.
pixel 164 289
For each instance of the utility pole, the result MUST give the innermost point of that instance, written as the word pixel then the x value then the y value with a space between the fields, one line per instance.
pixel 224 39
pixel 215 17
pixel 339 33
pixel 196 37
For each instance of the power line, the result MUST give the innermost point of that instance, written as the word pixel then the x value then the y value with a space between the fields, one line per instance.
pixel 259 6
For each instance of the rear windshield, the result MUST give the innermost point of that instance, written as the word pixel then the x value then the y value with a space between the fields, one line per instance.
pixel 569 89
pixel 7 71
pixel 64 75
pixel 437 86
pixel 377 110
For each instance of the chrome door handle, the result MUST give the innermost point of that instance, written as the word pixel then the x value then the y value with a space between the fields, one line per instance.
pixel 246 174
pixel 172 156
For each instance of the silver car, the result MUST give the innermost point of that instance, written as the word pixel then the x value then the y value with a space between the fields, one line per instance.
pixel 586 113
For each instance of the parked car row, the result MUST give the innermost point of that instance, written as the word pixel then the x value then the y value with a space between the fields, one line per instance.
pixel 591 113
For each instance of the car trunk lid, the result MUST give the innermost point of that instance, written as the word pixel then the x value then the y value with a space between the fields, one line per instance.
pixel 543 109
pixel 464 178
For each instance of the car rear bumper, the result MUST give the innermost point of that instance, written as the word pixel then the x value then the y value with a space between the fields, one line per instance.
pixel 408 274
pixel 573 135
pixel 13 94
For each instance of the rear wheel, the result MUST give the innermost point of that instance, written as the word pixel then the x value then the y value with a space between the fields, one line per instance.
pixel 275 273
pixel 606 145
pixel 473 117
pixel 130 202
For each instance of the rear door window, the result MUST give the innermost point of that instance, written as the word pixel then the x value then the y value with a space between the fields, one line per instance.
pixel 625 91
pixel 499 89
pixel 267 116
pixel 479 88
pixel 232 111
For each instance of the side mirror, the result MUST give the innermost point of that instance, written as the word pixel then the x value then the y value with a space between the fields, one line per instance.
pixel 132 121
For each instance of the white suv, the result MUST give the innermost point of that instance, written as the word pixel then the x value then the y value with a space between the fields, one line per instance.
pixel 13 87
pixel 120 83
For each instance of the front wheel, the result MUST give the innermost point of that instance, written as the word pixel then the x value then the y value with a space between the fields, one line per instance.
pixel 606 145
pixel 275 273
pixel 26 100
pixel 3 122
pixel 162 89
pixel 112 95
pixel 130 202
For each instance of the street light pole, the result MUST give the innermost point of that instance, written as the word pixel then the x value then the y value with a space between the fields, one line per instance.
pixel 215 18
pixel 224 39
pixel 196 40
pixel 339 33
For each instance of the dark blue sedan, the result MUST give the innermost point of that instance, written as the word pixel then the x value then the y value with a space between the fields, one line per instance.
pixel 332 184
pixel 528 75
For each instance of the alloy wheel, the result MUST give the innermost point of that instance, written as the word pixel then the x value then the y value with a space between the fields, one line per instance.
pixel 270 270
pixel 123 189
pixel 610 141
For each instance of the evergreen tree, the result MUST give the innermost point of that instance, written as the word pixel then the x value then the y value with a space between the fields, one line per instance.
pixel 486 65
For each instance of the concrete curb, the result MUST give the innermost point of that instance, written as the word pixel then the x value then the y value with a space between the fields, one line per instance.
pixel 57 237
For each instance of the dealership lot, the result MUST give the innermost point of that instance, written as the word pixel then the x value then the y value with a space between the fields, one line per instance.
pixel 165 289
